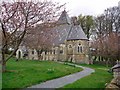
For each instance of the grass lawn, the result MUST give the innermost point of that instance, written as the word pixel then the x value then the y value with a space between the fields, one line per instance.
pixel 95 80
pixel 0 77
pixel 28 72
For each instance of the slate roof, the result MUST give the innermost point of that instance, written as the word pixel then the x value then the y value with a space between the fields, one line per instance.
pixel 76 33
pixel 64 18
pixel 67 31
pixel 62 33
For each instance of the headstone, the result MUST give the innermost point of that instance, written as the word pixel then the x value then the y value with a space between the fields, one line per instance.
pixel 43 55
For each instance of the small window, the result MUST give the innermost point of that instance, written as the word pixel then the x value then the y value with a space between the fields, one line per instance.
pixel 32 51
pixel 53 51
pixel 61 51
pixel 45 52
pixel 79 49
pixel 50 51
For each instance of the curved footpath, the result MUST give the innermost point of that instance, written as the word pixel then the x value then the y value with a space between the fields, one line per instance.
pixel 60 82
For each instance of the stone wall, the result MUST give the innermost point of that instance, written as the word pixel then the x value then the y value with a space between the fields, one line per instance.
pixel 115 83
pixel 74 51
pixel 69 52
pixel 55 54
pixel 75 55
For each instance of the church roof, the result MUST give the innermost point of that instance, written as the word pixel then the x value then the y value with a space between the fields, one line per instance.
pixel 64 18
pixel 76 33
pixel 67 31
pixel 62 32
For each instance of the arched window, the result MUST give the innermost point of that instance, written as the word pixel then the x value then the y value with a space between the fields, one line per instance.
pixel 53 51
pixel 79 48
pixel 61 50
pixel 32 51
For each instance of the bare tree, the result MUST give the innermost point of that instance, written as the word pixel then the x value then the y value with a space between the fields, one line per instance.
pixel 107 47
pixel 108 26
pixel 17 17
pixel 112 16
pixel 109 21
pixel 40 37
pixel 100 25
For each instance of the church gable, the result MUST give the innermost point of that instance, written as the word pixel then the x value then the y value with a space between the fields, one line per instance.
pixel 76 33
pixel 66 30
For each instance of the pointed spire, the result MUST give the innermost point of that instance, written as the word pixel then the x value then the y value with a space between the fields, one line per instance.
pixel 64 18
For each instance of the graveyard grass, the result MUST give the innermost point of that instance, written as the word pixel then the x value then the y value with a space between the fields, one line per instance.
pixel 97 80
pixel 25 73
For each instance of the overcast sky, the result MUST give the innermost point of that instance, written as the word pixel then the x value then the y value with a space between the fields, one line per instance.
pixel 87 7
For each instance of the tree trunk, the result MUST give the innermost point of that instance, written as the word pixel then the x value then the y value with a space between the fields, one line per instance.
pixel 3 67
pixel 3 61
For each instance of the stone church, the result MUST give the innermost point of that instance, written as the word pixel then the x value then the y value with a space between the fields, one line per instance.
pixel 70 45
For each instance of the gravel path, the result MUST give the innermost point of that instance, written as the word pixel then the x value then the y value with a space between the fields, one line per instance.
pixel 60 82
